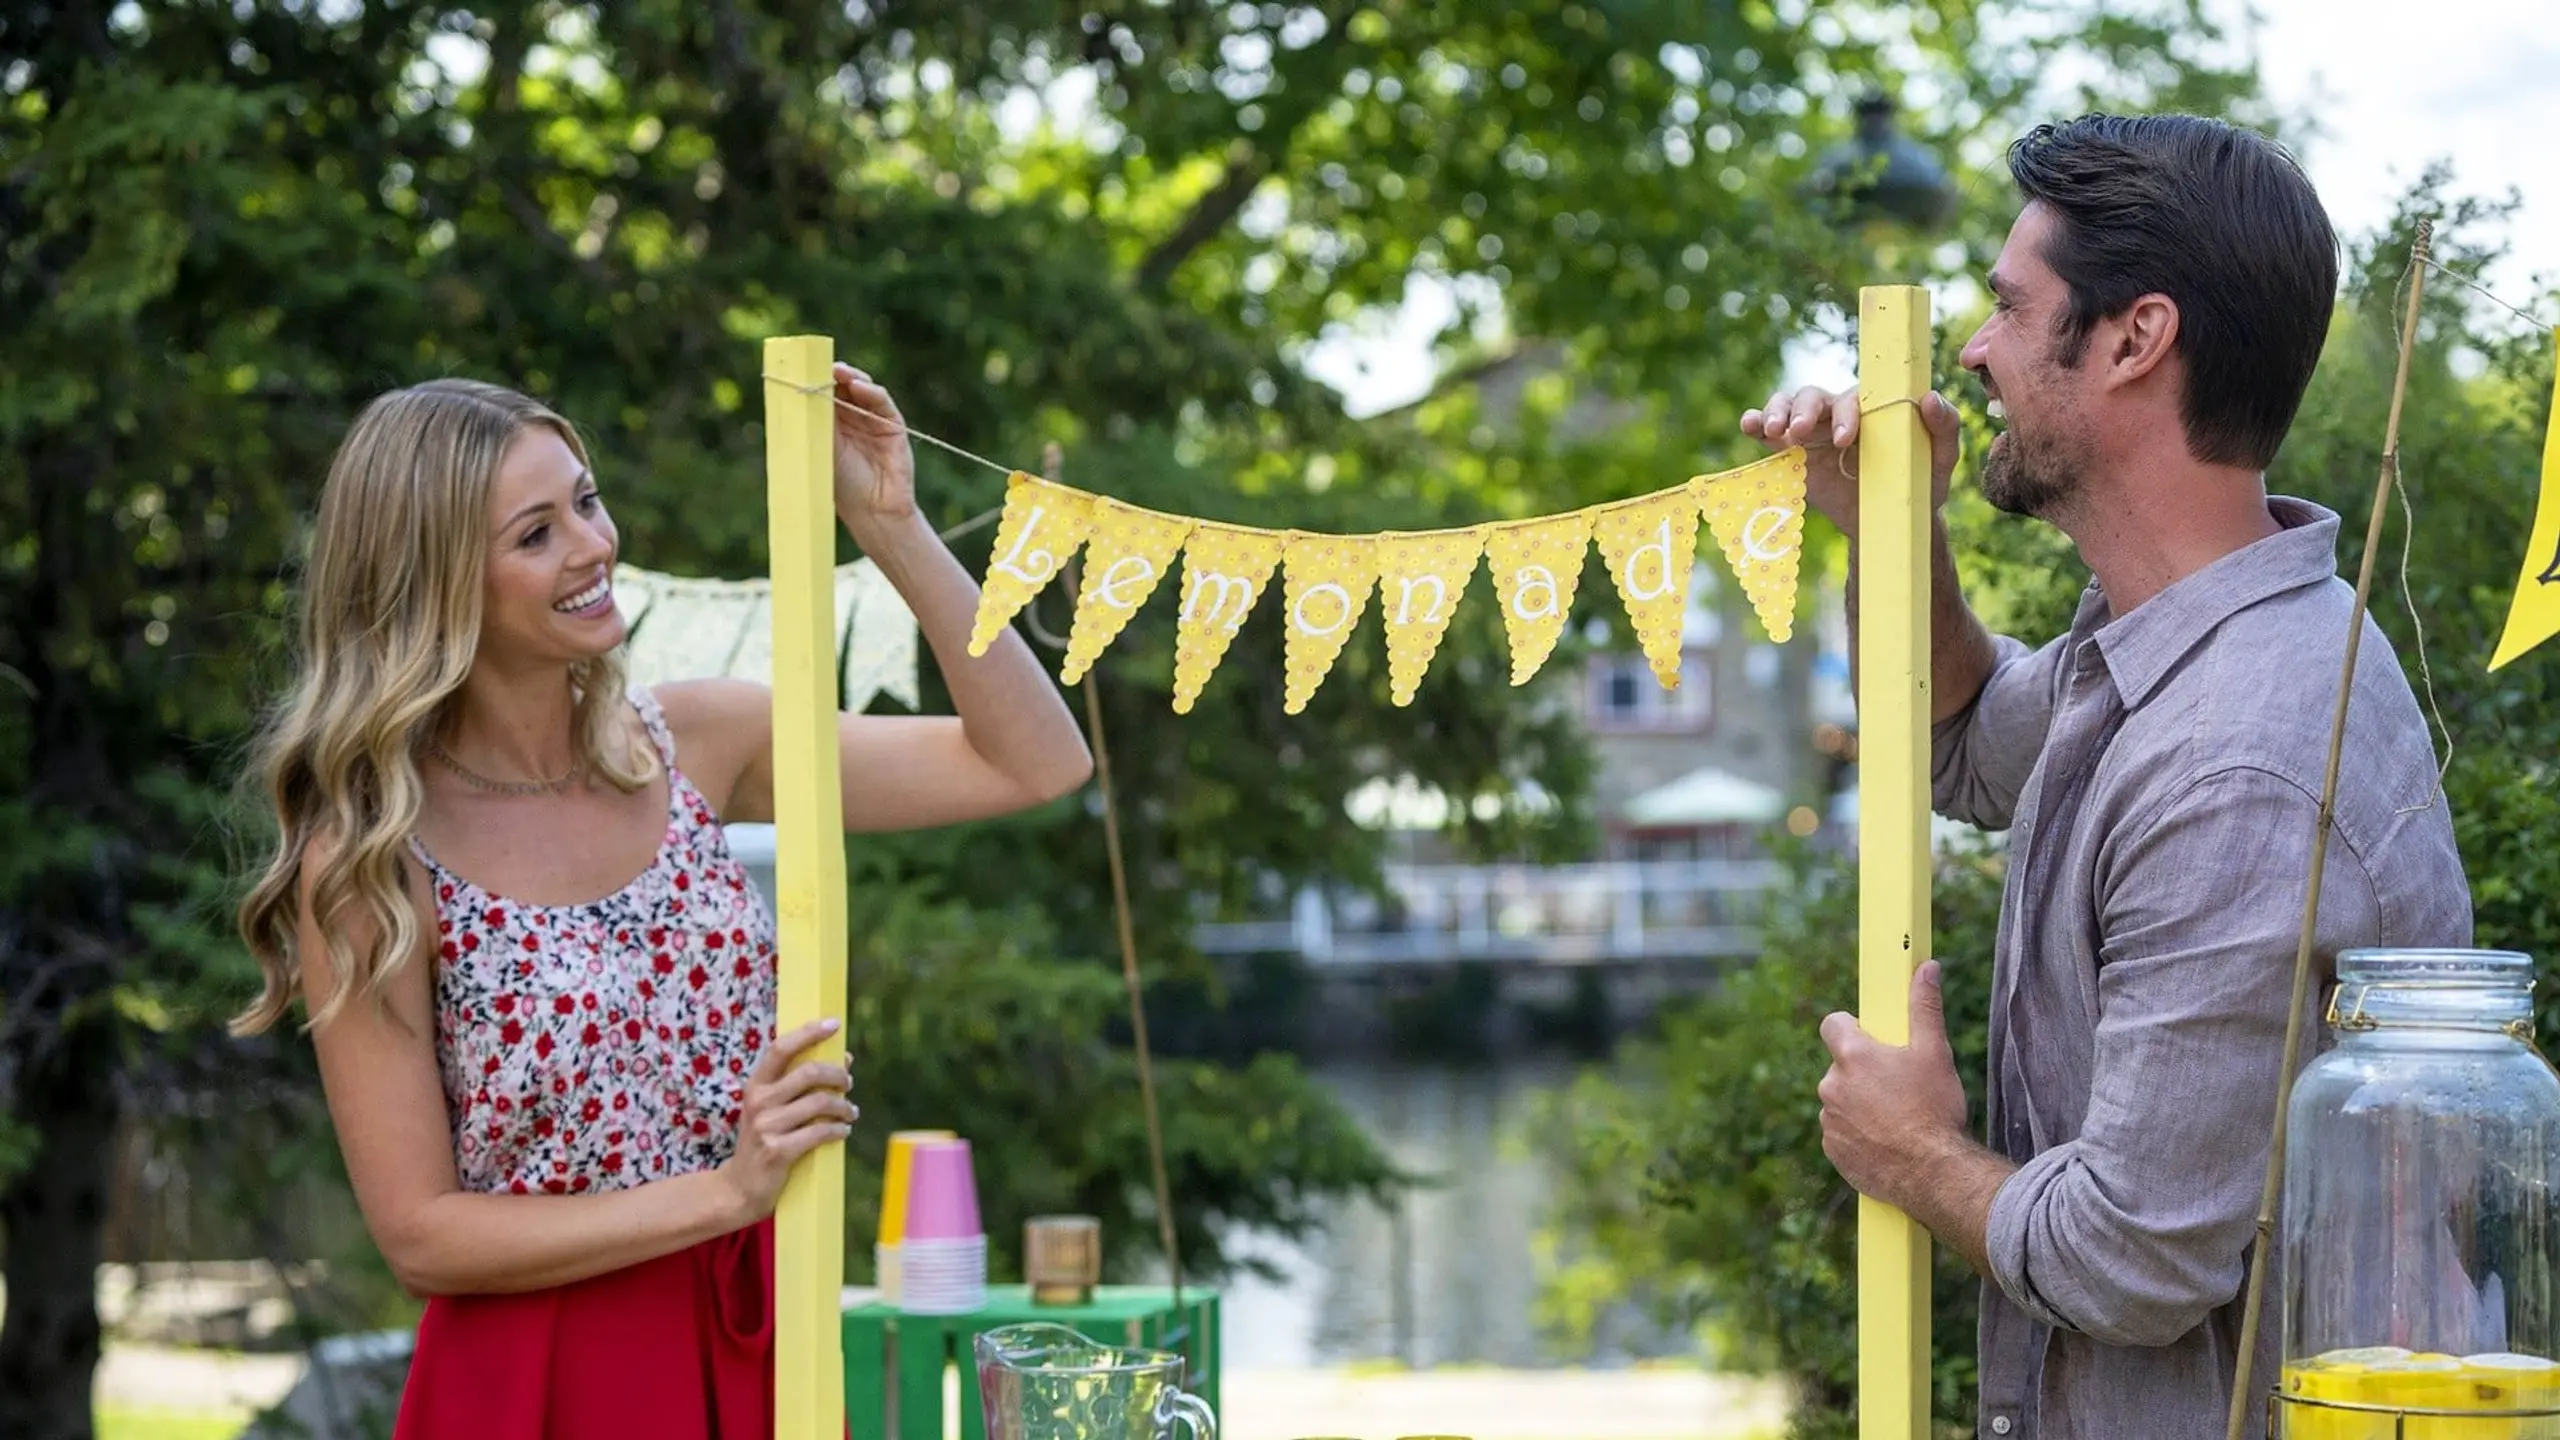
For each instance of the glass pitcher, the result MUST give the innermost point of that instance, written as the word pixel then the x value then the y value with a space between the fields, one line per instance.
pixel 1047 1382
pixel 2421 1258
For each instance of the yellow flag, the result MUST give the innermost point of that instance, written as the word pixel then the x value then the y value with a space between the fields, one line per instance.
pixel 1649 546
pixel 2534 615
pixel 1420 578
pixel 1757 514
pixel 1042 526
pixel 1130 551
pixel 1224 572
pixel 1329 580
pixel 1535 569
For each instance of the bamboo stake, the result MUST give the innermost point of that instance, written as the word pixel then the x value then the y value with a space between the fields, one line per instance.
pixel 2252 1312
pixel 1893 818
pixel 1051 462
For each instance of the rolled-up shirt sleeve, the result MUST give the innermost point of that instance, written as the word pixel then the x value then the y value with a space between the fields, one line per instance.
pixel 1979 758
pixel 2136 1230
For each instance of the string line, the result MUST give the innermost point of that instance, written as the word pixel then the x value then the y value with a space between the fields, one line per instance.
pixel 978 521
pixel 2409 538
pixel 2467 282
pixel 982 518
pixel 1878 408
pixel 2418 624
pixel 844 404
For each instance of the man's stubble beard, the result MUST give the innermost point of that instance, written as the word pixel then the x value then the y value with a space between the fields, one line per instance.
pixel 2035 478
pixel 2020 477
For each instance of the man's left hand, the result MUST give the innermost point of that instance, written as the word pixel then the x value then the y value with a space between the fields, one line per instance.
pixel 1891 1112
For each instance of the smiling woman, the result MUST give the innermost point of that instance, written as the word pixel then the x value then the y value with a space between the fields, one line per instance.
pixel 541 989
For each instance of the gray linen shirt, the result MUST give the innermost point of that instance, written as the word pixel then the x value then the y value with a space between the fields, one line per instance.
pixel 2160 774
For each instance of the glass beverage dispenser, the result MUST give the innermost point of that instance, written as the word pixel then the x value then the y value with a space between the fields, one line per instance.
pixel 2421 1256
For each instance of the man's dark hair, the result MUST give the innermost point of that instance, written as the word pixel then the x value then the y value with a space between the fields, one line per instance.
pixel 2223 222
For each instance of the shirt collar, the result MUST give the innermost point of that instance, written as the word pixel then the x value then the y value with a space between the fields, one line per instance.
pixel 2141 647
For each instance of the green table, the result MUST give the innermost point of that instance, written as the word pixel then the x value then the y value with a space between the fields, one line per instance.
pixel 894 1362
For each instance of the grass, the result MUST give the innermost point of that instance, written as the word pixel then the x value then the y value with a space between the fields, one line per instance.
pixel 119 1423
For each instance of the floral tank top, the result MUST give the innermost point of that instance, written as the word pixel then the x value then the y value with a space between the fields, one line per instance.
pixel 597 1046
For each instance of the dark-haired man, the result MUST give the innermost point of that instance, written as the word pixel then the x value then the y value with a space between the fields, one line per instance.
pixel 2159 307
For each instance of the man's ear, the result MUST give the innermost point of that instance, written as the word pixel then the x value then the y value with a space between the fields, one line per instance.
pixel 2131 345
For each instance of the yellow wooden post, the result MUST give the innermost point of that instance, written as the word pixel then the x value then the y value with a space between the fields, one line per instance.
pixel 799 441
pixel 1893 816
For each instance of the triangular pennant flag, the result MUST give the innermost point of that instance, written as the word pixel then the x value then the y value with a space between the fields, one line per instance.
pixel 2534 615
pixel 1535 569
pixel 1130 551
pixel 879 638
pixel 1420 578
pixel 1649 546
pixel 1042 526
pixel 1329 579
pixel 1225 569
pixel 695 629
pixel 1757 514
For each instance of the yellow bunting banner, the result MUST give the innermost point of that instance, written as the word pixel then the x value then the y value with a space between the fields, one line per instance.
pixel 2534 615
pixel 1757 514
pixel 1535 569
pixel 1420 578
pixel 1650 543
pixel 1329 579
pixel 1042 526
pixel 1224 572
pixel 1649 546
pixel 1129 552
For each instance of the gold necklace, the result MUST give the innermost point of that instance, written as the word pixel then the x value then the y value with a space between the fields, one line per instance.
pixel 504 787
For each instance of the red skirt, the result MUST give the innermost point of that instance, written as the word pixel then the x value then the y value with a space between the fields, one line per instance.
pixel 679 1347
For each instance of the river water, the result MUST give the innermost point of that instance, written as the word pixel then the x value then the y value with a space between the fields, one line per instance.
pixel 1451 1280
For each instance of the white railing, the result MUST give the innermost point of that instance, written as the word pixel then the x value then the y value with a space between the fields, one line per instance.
pixel 1619 910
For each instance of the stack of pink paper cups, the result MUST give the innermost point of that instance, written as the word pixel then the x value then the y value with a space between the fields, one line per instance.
pixel 893 1204
pixel 942 1255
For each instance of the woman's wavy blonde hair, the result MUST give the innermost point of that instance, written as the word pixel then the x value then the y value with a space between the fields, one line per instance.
pixel 389 625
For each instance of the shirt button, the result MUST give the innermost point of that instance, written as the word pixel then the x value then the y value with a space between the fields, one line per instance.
pixel 1999 1424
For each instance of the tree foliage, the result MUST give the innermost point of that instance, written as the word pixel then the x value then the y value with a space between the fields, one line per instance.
pixel 223 227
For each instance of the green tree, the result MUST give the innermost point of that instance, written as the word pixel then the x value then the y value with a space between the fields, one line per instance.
pixel 222 228
pixel 2472 431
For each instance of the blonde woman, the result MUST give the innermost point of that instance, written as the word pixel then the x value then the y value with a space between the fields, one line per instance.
pixel 541 989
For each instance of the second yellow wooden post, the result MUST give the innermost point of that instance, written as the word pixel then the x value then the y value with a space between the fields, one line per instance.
pixel 808 1346
pixel 1893 816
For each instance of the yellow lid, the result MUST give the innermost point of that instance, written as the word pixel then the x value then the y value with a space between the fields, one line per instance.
pixel 2340 1374
pixel 2510 1360
pixel 2509 1381
pixel 2365 1355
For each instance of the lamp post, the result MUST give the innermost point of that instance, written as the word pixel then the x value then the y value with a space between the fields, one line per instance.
pixel 1882 173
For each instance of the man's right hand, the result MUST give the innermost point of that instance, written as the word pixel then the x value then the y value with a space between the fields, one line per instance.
pixel 1826 425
